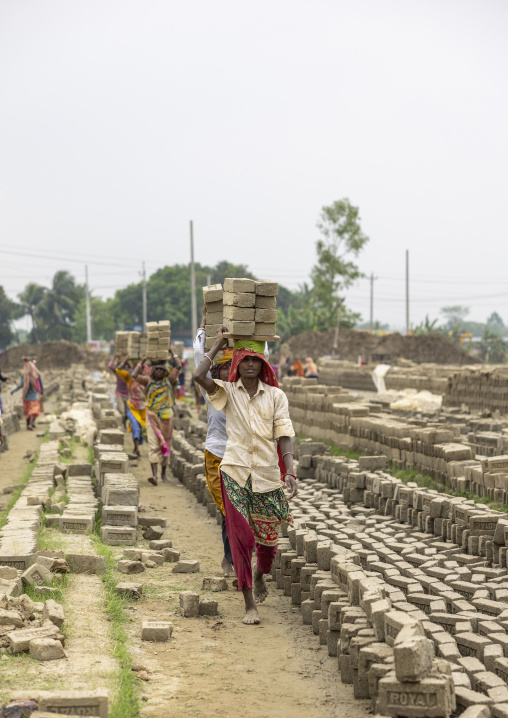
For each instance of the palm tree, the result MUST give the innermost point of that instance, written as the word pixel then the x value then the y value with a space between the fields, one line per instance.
pixel 60 302
pixel 31 299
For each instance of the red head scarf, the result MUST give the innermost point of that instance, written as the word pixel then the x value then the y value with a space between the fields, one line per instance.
pixel 266 375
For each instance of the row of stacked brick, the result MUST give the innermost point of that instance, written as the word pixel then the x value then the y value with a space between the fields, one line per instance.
pixel 187 462
pixel 479 389
pixel 117 489
pixel 19 539
pixel 440 449
pixel 422 377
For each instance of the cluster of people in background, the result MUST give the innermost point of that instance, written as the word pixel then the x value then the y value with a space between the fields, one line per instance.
pixel 290 367
pixel 145 396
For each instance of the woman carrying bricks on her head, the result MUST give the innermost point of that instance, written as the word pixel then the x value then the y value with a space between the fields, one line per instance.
pixel 135 410
pixel 258 455
pixel 216 437
pixel 160 400
pixel 33 390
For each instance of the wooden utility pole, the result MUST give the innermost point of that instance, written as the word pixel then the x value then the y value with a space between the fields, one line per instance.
pixel 337 328
pixel 407 293
pixel 88 313
pixel 193 284
pixel 144 298
pixel 372 280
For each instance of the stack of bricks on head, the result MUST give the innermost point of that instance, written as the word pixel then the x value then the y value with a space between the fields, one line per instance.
pixel 159 340
pixel 247 307
pixel 132 344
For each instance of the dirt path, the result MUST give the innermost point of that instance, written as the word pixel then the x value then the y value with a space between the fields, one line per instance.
pixel 12 463
pixel 217 666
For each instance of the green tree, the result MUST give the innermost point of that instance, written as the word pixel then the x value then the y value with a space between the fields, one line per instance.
pixel 7 312
pixel 58 306
pixel 495 322
pixel 103 320
pixel 341 242
pixel 492 347
pixel 30 301
pixel 454 317
pixel 169 295
pixel 426 327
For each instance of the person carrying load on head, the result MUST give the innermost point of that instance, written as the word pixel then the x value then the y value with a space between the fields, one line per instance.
pixel 258 458
pixel 159 401
pixel 136 410
pixel 122 390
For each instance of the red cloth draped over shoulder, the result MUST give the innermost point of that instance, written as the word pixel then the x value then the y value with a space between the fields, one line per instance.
pixel 267 376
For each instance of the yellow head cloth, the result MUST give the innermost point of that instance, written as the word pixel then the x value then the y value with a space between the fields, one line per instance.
pixel 227 356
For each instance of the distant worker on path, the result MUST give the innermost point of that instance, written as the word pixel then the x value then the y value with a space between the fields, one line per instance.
pixel 160 401
pixel 311 371
pixel 216 437
pixel 136 410
pixel 258 455
pixel 298 368
pixel 2 378
pixel 122 390
pixel 33 390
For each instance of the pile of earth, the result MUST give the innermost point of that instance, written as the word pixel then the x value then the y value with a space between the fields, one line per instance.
pixel 53 355
pixel 353 343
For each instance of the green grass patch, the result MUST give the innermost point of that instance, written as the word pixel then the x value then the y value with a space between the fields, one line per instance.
pixel 73 442
pixel 336 450
pixel 51 539
pixel 125 703
pixel 59 586
pixel 427 482
pixel 17 492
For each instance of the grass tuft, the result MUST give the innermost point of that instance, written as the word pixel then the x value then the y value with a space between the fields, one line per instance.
pixel 59 585
pixel 17 493
pixel 336 450
pixel 125 704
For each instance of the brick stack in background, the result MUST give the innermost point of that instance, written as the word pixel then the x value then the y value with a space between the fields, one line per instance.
pixel 122 343
pixel 436 449
pixel 133 345
pixel 479 389
pixel 178 349
pixel 159 340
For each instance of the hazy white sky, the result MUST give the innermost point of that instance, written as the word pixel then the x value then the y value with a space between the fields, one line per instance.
pixel 121 120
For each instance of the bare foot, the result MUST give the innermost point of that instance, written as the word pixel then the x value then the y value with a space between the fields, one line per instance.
pixel 260 588
pixel 227 568
pixel 252 617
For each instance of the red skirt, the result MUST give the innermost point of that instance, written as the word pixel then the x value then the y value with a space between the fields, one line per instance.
pixel 31 408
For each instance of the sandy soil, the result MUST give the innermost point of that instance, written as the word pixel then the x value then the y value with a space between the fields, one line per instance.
pixel 218 666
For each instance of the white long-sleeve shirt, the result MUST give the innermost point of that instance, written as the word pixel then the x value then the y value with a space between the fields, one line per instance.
pixel 216 437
